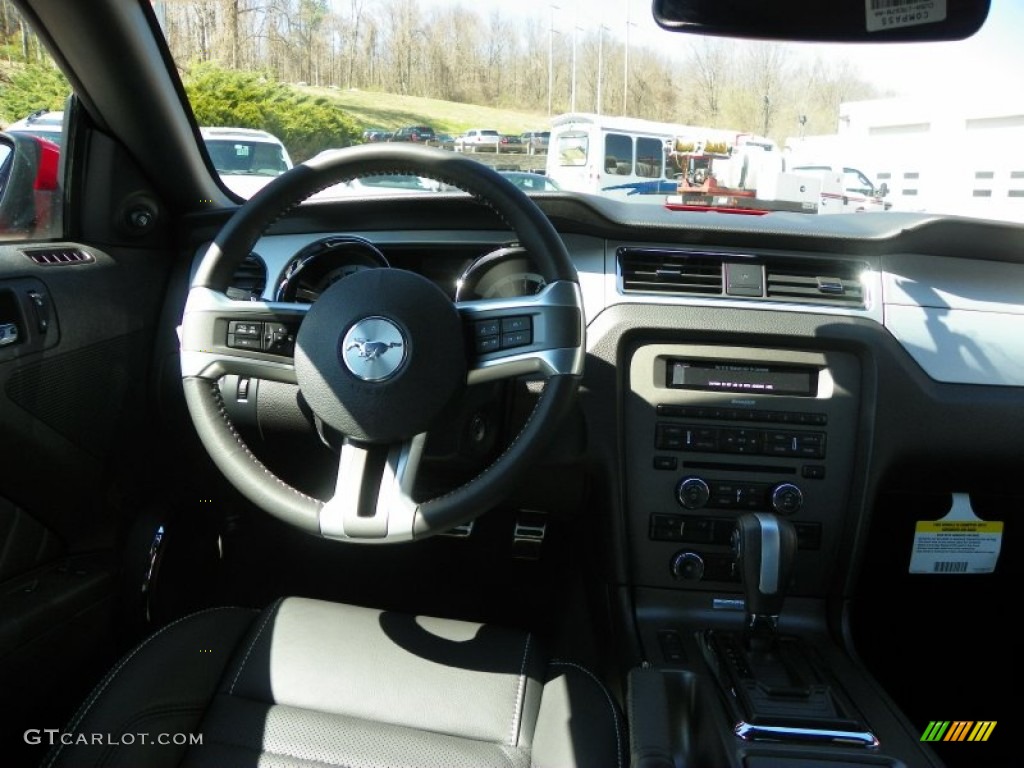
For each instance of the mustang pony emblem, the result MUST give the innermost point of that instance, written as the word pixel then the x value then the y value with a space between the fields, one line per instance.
pixel 371 350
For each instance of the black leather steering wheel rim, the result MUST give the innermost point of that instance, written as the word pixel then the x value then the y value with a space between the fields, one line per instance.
pixel 425 518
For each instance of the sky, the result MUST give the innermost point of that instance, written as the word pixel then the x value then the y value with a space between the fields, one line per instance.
pixel 972 69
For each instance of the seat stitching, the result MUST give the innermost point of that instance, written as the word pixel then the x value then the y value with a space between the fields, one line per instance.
pixel 266 619
pixel 503 749
pixel 608 697
pixel 520 695
pixel 87 705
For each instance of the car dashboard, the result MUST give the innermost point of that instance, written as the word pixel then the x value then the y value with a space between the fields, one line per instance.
pixel 835 371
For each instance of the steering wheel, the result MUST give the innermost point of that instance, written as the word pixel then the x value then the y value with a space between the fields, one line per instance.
pixel 379 354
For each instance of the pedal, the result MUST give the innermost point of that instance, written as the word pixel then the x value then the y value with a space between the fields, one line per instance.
pixel 528 534
pixel 463 531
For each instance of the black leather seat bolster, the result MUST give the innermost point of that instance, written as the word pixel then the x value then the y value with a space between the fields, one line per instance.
pixel 579 723
pixel 163 686
pixel 309 684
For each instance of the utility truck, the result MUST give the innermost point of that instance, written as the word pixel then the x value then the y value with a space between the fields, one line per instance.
pixel 744 173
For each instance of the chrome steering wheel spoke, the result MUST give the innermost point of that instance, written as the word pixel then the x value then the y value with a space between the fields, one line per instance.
pixel 373 493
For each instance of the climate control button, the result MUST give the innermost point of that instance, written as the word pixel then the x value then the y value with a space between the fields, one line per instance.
pixel 692 492
pixel 688 566
pixel 787 499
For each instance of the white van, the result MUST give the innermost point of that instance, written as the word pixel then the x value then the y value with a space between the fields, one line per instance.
pixel 620 157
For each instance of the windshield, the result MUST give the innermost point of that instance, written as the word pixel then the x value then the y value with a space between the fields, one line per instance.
pixel 925 127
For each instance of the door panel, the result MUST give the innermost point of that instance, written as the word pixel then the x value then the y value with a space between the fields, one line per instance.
pixel 79 455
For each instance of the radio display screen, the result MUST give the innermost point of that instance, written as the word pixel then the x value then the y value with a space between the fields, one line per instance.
pixel 744 379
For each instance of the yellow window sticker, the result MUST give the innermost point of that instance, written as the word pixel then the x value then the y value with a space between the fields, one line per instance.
pixel 960 542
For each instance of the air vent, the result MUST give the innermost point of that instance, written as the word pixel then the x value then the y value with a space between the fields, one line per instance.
pixel 680 273
pixel 249 280
pixel 835 283
pixel 52 257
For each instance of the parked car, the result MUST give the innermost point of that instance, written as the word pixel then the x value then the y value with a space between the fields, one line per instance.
pixel 536 142
pixel 444 141
pixel 376 134
pixel 509 143
pixel 531 182
pixel 43 123
pixel 419 134
pixel 246 159
pixel 478 140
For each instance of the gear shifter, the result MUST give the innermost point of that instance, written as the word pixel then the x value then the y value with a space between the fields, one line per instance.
pixel 775 684
pixel 765 549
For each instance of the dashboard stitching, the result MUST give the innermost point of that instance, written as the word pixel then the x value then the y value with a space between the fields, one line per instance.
pixel 222 409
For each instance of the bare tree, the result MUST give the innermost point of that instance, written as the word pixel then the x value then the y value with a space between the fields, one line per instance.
pixel 767 67
pixel 711 63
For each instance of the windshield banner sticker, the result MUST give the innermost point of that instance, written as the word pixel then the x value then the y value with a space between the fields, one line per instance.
pixel 960 542
pixel 891 14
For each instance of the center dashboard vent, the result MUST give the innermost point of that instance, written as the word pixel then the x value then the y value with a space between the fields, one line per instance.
pixel 673 272
pixel 836 284
pixel 677 272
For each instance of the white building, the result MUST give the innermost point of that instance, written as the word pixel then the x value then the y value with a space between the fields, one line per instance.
pixel 949 157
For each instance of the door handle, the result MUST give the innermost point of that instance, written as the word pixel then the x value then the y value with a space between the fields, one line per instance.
pixel 8 334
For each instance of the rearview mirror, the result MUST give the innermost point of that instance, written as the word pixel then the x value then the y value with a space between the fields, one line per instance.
pixel 840 21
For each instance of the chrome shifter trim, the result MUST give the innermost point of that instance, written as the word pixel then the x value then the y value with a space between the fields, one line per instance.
pixel 749 732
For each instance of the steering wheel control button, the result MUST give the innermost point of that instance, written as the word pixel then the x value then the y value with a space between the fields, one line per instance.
pixel 488 344
pixel 278 339
pixel 485 328
pixel 243 328
pixel 502 333
pixel 243 334
pixel 516 324
pixel 692 492
pixel 374 349
pixel 517 339
pixel 380 354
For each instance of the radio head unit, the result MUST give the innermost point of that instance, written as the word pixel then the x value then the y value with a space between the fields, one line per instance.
pixel 741 378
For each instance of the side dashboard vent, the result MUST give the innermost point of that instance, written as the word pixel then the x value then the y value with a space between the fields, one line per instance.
pixel 836 284
pixel 52 257
pixel 249 280
pixel 648 270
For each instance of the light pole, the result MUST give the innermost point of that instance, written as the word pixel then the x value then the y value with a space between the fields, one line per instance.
pixel 551 54
pixel 625 64
pixel 600 63
pixel 575 27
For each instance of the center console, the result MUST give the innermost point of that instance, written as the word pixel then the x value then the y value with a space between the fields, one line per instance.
pixel 712 432
pixel 738 467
